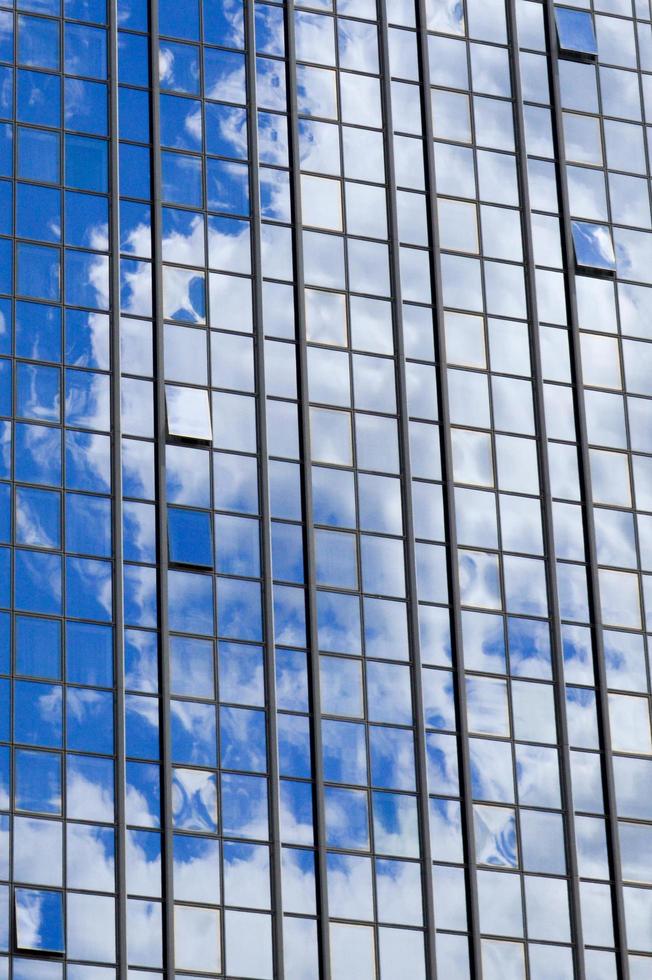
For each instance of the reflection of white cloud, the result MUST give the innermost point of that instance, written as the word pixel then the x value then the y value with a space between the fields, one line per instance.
pixel 144 933
pixel 91 927
pixel 90 861
pixel 88 800
pixel 197 939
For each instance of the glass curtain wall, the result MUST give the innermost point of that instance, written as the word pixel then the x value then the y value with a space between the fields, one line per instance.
pixel 325 489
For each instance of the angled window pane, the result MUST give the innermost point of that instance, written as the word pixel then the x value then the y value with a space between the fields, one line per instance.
pixel 188 413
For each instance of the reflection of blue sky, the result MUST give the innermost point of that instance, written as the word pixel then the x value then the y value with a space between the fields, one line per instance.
pixel 39 920
pixel 143 794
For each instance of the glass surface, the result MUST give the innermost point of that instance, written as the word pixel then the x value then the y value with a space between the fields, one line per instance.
pixel 576 31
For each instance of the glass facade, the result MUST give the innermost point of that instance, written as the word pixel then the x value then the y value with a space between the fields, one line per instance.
pixel 325 489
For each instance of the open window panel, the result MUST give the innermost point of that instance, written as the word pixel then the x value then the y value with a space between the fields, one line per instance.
pixel 189 537
pixel 188 413
pixel 576 33
pixel 594 248
pixel 39 921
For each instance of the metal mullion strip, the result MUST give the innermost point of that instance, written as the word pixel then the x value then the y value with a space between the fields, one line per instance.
pixel 167 822
pixel 423 802
pixel 473 910
pixel 116 425
pixel 546 497
pixel 620 931
pixel 265 510
pixel 319 815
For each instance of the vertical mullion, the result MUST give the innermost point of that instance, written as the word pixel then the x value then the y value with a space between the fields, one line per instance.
pixel 546 496
pixel 265 515
pixel 319 816
pixel 423 803
pixel 449 507
pixel 620 931
pixel 161 501
pixel 118 567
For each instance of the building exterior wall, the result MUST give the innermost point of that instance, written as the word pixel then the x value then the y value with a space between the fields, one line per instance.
pixel 325 489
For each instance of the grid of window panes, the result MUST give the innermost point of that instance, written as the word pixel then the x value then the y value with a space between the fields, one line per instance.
pixel 337 315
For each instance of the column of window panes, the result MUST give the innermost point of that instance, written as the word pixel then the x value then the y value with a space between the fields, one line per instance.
pixel 612 90
pixel 142 748
pixel 567 514
pixel 442 750
pixel 622 543
pixel 523 578
pixel 631 773
pixel 7 130
pixel 87 406
pixel 295 765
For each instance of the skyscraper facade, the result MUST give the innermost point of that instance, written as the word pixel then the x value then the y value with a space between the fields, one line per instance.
pixel 325 489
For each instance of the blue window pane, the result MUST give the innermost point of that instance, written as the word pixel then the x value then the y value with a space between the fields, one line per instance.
pixel 5 513
pixel 38 331
pixel 227 187
pixel 89 788
pixel 38 517
pixel 242 739
pixel 5 709
pixel 576 31
pixel 37 582
pixel 141 661
pixel 179 20
pixel 5 577
pixel 181 123
pixel 38 42
pixel 134 115
pixel 86 106
pixel 189 534
pixel 39 920
pixel 38 781
pixel 89 721
pixel 87 164
pixel 226 130
pixel 87 399
pixel 194 800
pixel 133 59
pixel 135 228
pixel 141 724
pixel 6 150
pixel 38 155
pixel 89 654
pixel 38 714
pixel 85 51
pixel 5 643
pixel 38 98
pixel 139 531
pixel 289 615
pixel 38 647
pixel 179 67
pixel 133 14
pixel 39 271
pixel 6 36
pixel 222 25
pixel 90 10
pixel 87 280
pixel 6 208
pixel 135 178
pixel 6 265
pixel 182 179
pixel 191 603
pixel 88 525
pixel 5 387
pixel 224 75
pixel 237 545
pixel 38 454
pixel 5 327
pixel 38 212
pixel 193 733
pixel 347 819
pixel 6 92
pixel 239 613
pixel 87 220
pixel 593 246
pixel 89 589
pixel 140 596
pixel 244 804
pixel 38 392
pixel 88 462
pixel 192 669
